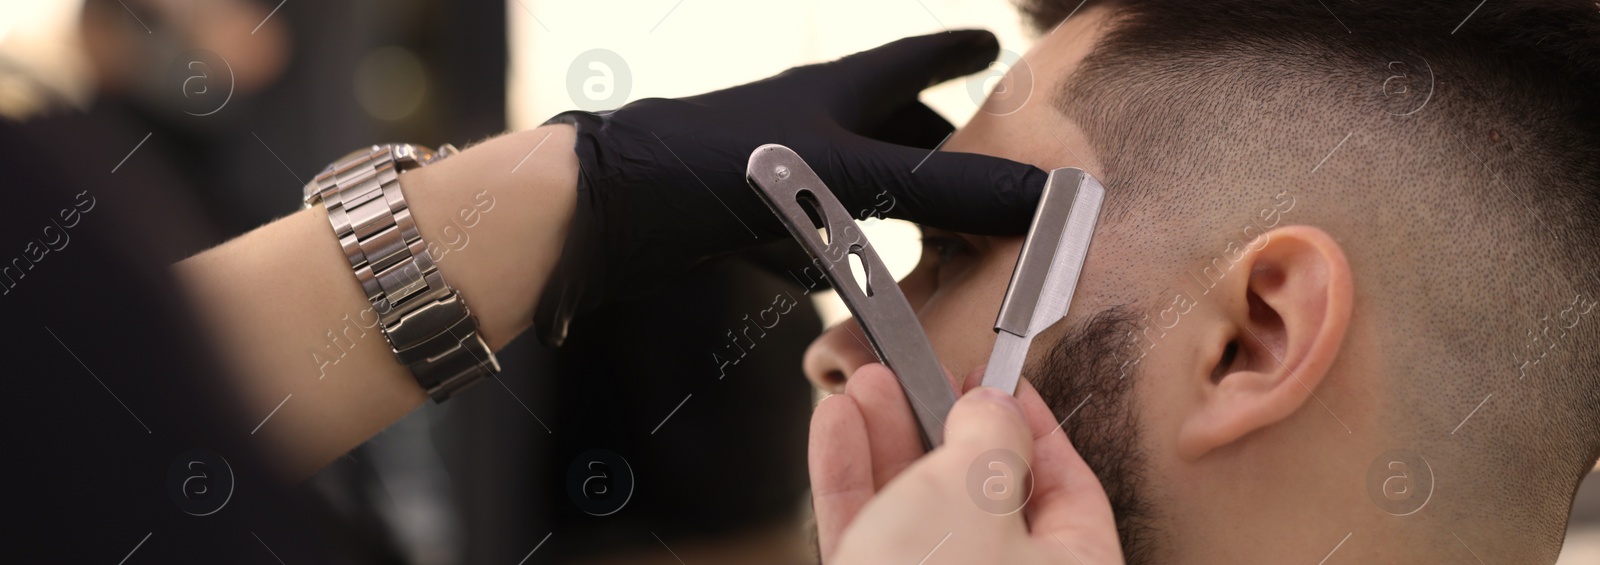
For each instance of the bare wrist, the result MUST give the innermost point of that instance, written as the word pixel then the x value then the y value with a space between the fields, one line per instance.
pixel 494 218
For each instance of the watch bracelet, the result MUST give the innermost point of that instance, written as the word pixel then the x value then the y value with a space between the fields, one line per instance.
pixel 425 320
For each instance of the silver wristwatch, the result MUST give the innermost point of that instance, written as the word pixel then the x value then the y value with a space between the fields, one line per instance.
pixel 426 321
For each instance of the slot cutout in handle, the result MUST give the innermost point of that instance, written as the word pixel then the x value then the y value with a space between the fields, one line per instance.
pixel 813 209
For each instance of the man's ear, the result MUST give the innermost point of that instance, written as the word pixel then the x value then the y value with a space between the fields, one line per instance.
pixel 1285 306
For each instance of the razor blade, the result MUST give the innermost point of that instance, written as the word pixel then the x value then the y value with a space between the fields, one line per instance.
pixel 829 234
pixel 1047 271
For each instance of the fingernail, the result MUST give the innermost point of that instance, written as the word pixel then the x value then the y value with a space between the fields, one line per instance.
pixel 991 394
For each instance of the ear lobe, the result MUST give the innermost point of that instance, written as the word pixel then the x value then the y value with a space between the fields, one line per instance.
pixel 1284 324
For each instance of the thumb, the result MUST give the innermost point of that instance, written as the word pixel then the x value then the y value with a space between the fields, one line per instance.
pixel 989 438
pixel 1069 508
pixel 963 192
pixel 985 418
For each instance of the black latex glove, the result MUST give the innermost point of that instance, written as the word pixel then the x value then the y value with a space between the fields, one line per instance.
pixel 662 182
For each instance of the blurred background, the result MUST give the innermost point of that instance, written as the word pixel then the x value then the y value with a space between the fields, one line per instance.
pixel 213 113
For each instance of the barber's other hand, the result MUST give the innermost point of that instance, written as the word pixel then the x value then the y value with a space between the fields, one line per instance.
pixel 663 181
pixel 876 502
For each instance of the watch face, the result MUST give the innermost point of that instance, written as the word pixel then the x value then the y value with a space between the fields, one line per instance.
pixel 405 153
pixel 408 156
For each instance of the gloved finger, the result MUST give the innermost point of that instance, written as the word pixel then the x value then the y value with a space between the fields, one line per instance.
pixel 913 125
pixel 783 259
pixel 963 192
pixel 891 425
pixel 872 84
pixel 841 468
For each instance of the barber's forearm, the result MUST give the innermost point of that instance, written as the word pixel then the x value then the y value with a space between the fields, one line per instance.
pixel 285 308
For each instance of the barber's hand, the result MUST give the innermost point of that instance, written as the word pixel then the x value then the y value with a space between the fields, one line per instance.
pixel 876 502
pixel 663 184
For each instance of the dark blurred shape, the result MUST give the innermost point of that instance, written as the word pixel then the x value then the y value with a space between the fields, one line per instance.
pixel 206 119
pixel 714 460
pixel 112 386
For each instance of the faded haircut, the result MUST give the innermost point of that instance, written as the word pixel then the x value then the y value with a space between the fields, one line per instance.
pixel 1464 186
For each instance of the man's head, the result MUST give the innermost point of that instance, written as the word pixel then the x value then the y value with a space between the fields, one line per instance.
pixel 1343 290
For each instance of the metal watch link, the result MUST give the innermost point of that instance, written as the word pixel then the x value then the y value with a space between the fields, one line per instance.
pixel 427 323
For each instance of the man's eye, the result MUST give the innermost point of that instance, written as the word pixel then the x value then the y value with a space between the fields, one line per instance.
pixel 945 248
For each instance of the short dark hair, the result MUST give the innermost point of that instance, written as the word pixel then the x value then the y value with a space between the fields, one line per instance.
pixel 1489 177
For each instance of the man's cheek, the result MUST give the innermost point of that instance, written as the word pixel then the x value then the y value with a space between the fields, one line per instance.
pixel 960 334
pixel 919 284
